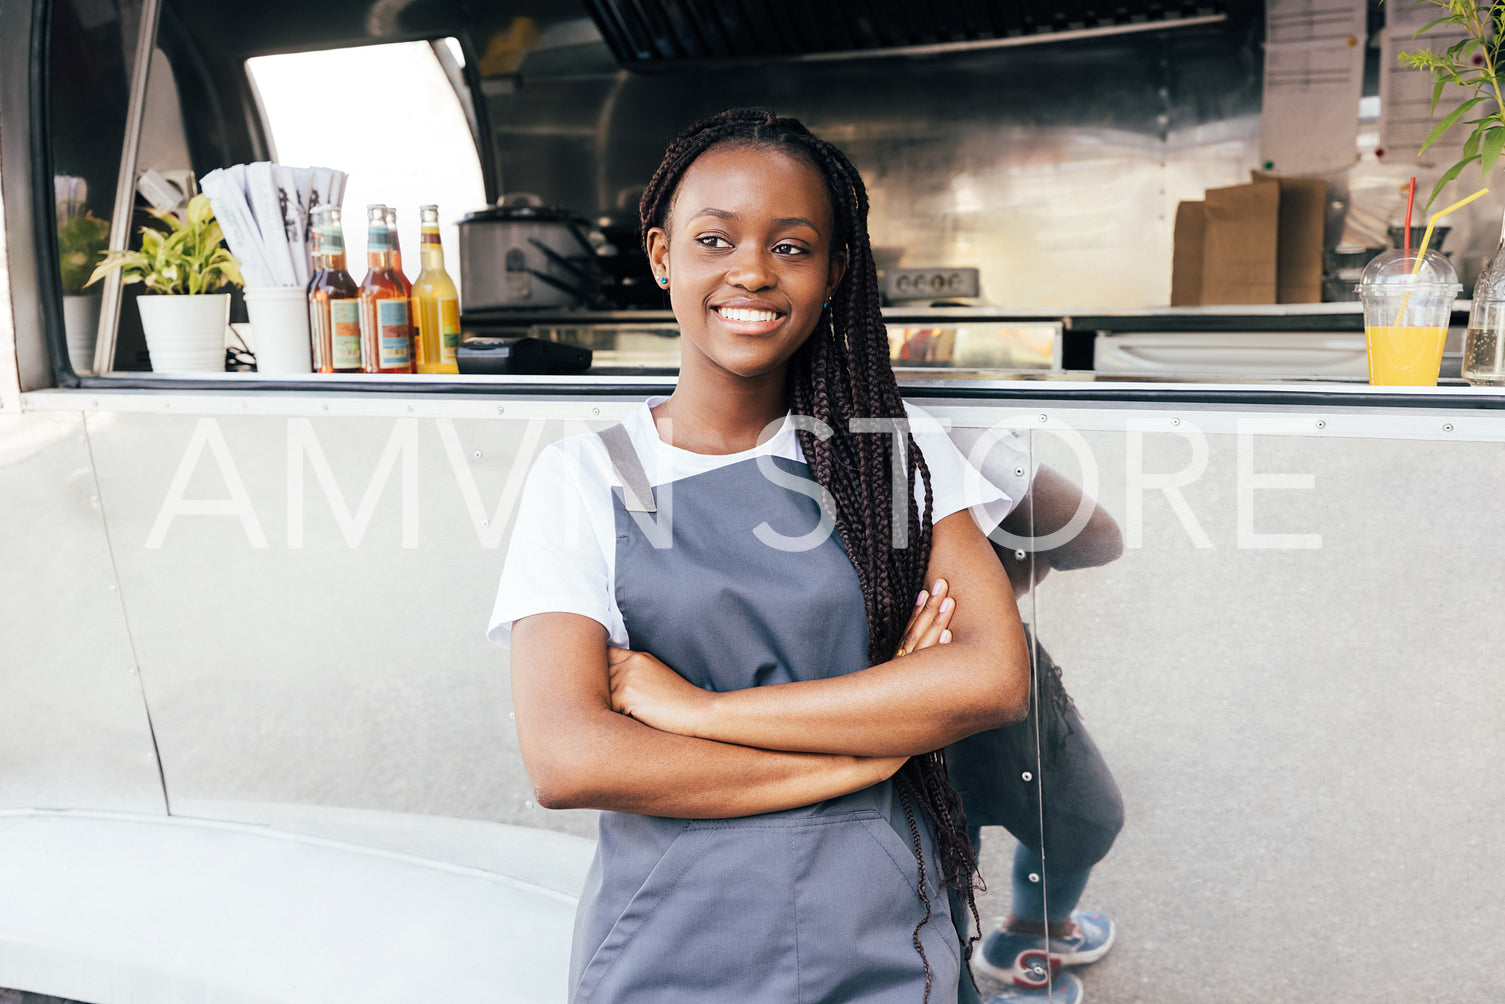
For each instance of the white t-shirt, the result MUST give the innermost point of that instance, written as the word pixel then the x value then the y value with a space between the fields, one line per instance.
pixel 562 556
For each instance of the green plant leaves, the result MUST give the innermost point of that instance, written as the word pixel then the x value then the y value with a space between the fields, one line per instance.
pixel 1448 122
pixel 1482 25
pixel 184 256
pixel 80 242
pixel 1489 149
pixel 1447 176
pixel 199 211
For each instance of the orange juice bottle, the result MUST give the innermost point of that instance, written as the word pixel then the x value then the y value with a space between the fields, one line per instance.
pixel 436 303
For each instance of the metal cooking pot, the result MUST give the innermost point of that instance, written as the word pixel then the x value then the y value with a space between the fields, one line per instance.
pixel 523 255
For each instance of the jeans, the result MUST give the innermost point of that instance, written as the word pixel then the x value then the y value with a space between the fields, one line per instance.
pixel 1065 817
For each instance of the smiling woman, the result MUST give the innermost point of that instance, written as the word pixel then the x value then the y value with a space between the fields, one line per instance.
pixel 761 715
pixel 746 253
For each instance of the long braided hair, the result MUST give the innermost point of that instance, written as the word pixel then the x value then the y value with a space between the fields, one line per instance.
pixel 843 372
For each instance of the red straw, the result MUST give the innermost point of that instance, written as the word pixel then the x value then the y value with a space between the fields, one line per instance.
pixel 1410 201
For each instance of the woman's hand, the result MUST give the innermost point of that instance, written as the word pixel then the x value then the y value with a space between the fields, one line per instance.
pixel 930 623
pixel 581 754
pixel 942 692
pixel 645 689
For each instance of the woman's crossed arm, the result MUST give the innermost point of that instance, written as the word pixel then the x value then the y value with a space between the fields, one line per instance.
pixel 909 705
pixel 580 753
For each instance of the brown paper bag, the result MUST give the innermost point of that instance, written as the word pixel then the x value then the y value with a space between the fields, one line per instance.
pixel 1250 244
pixel 1186 254
pixel 1298 269
pixel 1240 247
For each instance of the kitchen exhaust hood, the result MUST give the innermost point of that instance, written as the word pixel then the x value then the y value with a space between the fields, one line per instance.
pixel 650 34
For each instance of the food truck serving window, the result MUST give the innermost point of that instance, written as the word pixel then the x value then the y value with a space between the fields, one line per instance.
pixel 1023 227
pixel 419 149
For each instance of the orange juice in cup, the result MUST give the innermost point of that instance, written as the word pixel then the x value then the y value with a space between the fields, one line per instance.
pixel 1405 356
pixel 1408 301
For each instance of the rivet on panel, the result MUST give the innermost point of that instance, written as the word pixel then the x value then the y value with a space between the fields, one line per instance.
pixel 1019 472
pixel 325 406
pixel 1044 418
pixel 501 410
pixel 1447 427
pixel 1027 776
pixel 595 411
pixel 485 522
pixel 478 454
pixel 1019 555
pixel 1175 421
pixel 1034 877
pixel 528 804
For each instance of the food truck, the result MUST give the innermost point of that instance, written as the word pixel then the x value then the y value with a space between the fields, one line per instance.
pixel 254 745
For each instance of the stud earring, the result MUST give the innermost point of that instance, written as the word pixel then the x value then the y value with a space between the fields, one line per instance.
pixel 663 280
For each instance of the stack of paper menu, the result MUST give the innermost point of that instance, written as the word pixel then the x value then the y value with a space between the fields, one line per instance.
pixel 1314 74
pixel 264 211
pixel 1406 117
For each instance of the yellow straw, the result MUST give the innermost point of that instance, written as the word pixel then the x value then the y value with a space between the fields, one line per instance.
pixel 1426 239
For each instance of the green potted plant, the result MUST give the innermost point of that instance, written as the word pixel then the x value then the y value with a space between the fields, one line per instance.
pixel 1472 65
pixel 1469 72
pixel 183 266
pixel 80 242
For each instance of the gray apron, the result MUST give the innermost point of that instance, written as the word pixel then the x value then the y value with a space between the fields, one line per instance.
pixel 814 904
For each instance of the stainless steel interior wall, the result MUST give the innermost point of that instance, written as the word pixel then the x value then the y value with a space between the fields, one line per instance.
pixel 1054 168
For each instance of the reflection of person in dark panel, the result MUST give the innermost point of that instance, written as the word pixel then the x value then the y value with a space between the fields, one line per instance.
pixel 760 712
pixel 1074 801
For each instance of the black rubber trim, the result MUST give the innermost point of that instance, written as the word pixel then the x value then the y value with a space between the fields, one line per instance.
pixel 1163 395
pixel 486 149
pixel 396 385
pixel 49 285
pixel 1234 323
pixel 1169 394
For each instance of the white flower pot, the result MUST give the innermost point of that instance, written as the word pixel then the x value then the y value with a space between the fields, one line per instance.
pixel 81 322
pixel 186 334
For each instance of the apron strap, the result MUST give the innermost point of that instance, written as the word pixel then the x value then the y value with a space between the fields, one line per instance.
pixel 636 494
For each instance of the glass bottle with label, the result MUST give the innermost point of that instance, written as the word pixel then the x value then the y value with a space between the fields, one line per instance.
pixel 386 336
pixel 402 277
pixel 333 298
pixel 396 246
pixel 1484 344
pixel 436 303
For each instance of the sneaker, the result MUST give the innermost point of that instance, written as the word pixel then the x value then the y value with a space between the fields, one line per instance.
pixel 1064 989
pixel 1021 959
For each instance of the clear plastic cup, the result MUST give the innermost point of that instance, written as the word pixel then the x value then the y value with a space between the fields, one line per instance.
pixel 1408 302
